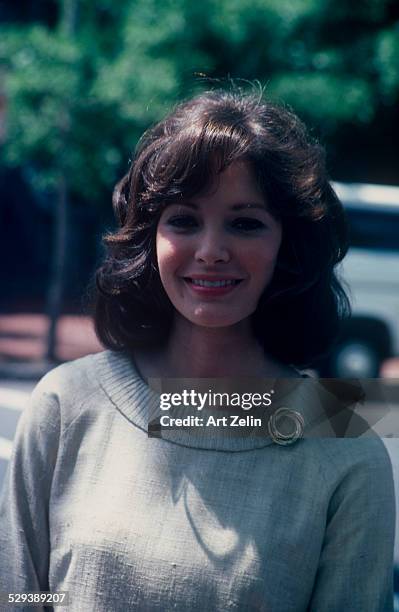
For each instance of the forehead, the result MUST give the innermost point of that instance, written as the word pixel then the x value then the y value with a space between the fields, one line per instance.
pixel 235 185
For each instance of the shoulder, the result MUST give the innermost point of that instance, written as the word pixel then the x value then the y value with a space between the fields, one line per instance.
pixel 357 467
pixel 338 440
pixel 71 376
pixel 82 377
pixel 70 381
pixel 346 455
pixel 63 391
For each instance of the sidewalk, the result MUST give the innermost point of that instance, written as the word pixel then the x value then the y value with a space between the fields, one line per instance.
pixel 23 343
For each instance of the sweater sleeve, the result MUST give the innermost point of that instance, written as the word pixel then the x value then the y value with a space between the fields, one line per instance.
pixel 356 563
pixel 24 503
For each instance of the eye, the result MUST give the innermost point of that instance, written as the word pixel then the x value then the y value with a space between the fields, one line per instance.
pixel 182 222
pixel 247 224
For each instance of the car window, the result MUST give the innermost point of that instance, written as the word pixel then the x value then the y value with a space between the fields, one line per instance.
pixel 373 229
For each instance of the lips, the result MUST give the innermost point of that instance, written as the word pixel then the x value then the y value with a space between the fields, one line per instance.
pixel 212 286
pixel 199 282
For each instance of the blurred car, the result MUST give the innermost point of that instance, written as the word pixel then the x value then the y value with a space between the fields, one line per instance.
pixel 370 272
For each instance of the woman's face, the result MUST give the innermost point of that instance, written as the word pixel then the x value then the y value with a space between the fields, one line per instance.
pixel 217 252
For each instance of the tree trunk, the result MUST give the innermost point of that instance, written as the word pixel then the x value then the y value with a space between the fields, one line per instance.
pixel 68 16
pixel 57 283
pixel 67 24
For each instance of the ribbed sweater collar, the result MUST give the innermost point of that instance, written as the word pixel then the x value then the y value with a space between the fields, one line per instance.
pixel 133 398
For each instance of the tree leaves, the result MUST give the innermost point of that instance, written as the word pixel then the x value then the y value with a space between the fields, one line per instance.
pixel 78 102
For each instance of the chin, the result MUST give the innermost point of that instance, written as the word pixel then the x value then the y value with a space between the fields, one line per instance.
pixel 213 324
pixel 216 320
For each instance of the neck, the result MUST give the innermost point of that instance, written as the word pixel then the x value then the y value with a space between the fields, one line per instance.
pixel 199 352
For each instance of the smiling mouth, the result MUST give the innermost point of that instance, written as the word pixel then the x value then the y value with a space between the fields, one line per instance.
pixel 216 284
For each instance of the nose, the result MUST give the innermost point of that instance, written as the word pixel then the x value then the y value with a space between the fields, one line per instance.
pixel 212 248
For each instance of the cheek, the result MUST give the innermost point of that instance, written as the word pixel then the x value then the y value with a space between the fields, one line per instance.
pixel 261 260
pixel 170 254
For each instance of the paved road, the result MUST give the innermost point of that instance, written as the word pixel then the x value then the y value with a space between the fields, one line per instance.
pixel 13 398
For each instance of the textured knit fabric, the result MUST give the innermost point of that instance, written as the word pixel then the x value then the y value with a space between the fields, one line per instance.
pixel 123 521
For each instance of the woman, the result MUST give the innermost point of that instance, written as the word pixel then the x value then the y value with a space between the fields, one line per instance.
pixel 222 267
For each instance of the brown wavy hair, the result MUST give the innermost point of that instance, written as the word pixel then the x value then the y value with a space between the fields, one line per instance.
pixel 298 315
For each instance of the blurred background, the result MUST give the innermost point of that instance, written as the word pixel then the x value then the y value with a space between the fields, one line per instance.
pixel 79 83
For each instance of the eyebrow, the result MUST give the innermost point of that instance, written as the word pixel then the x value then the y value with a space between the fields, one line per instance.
pixel 238 206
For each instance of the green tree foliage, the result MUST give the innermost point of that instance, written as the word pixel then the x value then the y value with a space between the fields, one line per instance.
pixel 77 104
pixel 54 124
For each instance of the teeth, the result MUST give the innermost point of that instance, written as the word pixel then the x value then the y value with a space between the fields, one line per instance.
pixel 206 283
